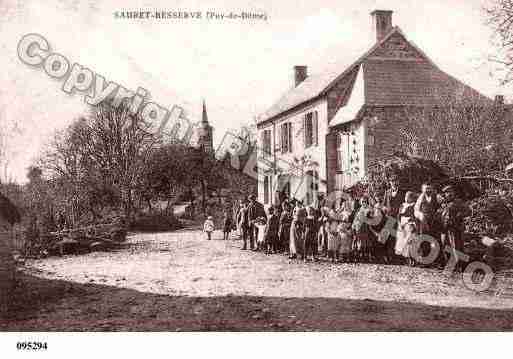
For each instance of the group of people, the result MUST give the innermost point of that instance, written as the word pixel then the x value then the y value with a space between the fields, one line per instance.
pixel 368 228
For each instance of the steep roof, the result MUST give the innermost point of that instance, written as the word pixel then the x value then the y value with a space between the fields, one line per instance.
pixel 396 72
pixel 396 82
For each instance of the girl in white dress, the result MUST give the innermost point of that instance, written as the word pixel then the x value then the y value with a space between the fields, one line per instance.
pixel 406 226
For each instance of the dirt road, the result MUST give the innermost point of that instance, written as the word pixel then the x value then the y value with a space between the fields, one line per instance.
pixel 180 281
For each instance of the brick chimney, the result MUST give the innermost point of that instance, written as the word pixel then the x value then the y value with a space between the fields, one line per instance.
pixel 300 74
pixel 382 21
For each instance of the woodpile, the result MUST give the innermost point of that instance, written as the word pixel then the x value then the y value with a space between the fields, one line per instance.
pixel 85 239
pixel 491 216
pixel 410 172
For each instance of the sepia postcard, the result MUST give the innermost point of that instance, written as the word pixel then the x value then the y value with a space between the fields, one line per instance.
pixel 254 166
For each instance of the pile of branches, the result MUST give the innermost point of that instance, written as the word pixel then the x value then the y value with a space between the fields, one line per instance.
pixel 78 240
pixel 410 172
pixel 491 216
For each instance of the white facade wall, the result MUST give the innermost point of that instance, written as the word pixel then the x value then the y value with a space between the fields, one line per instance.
pixel 356 171
pixel 286 163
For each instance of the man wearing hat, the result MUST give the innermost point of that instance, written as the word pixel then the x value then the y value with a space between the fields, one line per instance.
pixel 453 213
pixel 255 210
pixel 243 223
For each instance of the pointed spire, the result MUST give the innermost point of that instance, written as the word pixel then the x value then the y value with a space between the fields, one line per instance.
pixel 204 117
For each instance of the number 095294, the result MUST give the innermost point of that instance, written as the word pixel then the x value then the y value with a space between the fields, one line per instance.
pixel 31 346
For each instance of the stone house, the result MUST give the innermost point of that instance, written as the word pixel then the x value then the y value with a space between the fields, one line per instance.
pixel 325 133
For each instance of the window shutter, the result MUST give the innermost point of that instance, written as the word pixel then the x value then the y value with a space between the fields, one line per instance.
pixel 290 137
pixel 315 129
pixel 305 130
pixel 262 143
pixel 282 144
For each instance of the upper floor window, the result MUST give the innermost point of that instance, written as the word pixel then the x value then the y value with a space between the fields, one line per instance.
pixel 286 137
pixel 266 143
pixel 311 129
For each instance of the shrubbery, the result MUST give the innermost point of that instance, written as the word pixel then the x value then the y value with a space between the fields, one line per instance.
pixel 155 222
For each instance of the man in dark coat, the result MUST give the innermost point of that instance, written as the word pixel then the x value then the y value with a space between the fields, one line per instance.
pixel 453 213
pixel 255 210
pixel 243 222
pixel 394 198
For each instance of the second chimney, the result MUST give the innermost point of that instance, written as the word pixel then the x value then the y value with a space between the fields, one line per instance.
pixel 382 21
pixel 300 74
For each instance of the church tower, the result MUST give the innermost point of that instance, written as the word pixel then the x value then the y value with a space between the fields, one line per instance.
pixel 205 138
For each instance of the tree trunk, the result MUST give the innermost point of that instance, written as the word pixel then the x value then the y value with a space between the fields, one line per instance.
pixel 203 195
pixel 150 208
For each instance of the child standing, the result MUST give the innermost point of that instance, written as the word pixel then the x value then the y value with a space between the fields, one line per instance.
pixel 406 227
pixel 322 236
pixel 271 232
pixel 310 237
pixel 361 230
pixel 333 240
pixel 260 224
pixel 208 227
pixel 346 239
pixel 227 225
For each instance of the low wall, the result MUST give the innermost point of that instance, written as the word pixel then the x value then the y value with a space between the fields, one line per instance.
pixel 7 271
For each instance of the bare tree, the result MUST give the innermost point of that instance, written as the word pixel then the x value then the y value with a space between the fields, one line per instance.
pixel 101 154
pixel 499 14
pixel 463 138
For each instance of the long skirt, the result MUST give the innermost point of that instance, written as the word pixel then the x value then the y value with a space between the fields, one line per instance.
pixel 334 242
pixel 363 241
pixel 346 243
pixel 284 237
pixel 404 239
pixel 295 243
pixel 322 240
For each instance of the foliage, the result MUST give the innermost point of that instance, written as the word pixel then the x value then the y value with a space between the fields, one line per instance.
pixel 155 222
pixel 491 215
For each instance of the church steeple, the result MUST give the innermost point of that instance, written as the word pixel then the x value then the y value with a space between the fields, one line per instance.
pixel 205 138
pixel 204 117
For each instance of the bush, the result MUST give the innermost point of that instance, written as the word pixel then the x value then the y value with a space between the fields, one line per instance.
pixel 157 222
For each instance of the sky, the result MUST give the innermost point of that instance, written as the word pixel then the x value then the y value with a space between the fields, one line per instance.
pixel 239 67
